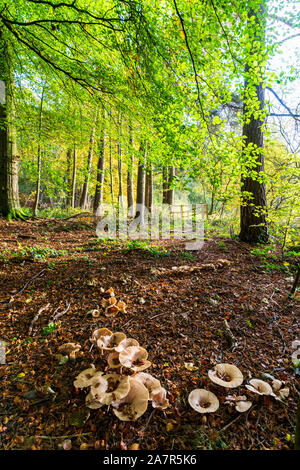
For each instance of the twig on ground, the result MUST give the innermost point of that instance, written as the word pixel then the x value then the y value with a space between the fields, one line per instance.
pixel 26 284
pixel 41 310
pixel 56 316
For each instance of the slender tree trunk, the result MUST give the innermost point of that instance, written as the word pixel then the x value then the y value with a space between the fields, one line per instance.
pixel 74 176
pixel 165 185
pixel 69 177
pixel 130 201
pixel 254 202
pixel 100 169
pixel 140 189
pixel 170 191
pixel 9 160
pixel 85 189
pixel 149 187
pixel 120 163
pixel 39 156
pixel 111 174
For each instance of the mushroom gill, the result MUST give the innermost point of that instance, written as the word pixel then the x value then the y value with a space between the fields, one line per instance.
pixel 203 401
pixel 134 358
pixel 260 387
pixel 226 375
pixel 134 404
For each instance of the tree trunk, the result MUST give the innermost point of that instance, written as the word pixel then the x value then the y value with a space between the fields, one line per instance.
pixel 140 189
pixel 170 191
pixel 120 165
pixel 39 156
pixel 9 160
pixel 130 201
pixel 100 170
pixel 85 189
pixel 254 202
pixel 69 178
pixel 149 187
pixel 165 185
pixel 74 177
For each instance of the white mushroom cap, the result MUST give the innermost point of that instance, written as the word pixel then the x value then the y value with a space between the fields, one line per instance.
pixel 260 386
pixel 243 406
pixel 296 344
pixel 151 383
pixel 68 348
pixel 85 378
pixel 203 401
pixel 108 343
pixel 116 388
pixel 226 375
pixel 279 392
pixel 159 398
pixel 134 404
pixel 276 384
pixel 113 360
pixel 135 358
pixel 92 402
pixel 125 343
pixel 98 385
pixel 101 334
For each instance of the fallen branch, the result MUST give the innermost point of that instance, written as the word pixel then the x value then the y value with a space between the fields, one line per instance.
pixel 81 214
pixel 27 283
pixel 56 316
pixel 41 310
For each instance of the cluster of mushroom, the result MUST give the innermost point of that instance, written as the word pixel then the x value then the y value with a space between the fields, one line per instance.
pixel 127 394
pixel 229 376
pixel 111 306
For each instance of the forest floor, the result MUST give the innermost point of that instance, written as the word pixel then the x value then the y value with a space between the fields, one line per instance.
pixel 177 316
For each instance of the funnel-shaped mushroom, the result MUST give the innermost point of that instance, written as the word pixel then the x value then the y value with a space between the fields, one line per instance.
pixel 85 378
pixel 69 348
pixel 226 375
pixel 125 343
pixel 260 387
pixel 203 401
pixel 159 398
pixel 135 358
pixel 242 406
pixel 108 343
pixel 134 404
pixel 116 387
pixel 102 335
pixel 111 311
pixel 280 392
pixel 151 383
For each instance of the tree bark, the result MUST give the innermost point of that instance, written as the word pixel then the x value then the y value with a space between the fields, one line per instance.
pixel 149 187
pixel 165 185
pixel 254 202
pixel 170 190
pixel 69 178
pixel 98 200
pixel 140 189
pixel 120 163
pixel 9 160
pixel 130 201
pixel 74 177
pixel 39 156
pixel 85 189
